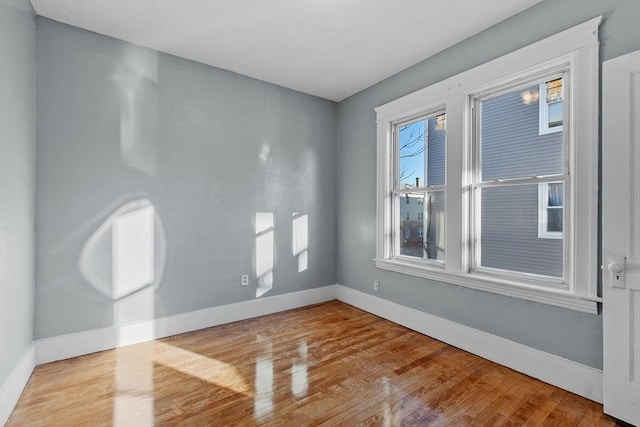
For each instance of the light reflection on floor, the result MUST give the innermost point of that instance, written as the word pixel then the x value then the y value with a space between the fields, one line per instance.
pixel 264 378
pixel 133 404
pixel 134 377
pixel 299 380
pixel 205 368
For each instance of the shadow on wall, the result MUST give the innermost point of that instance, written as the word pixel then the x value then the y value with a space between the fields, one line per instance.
pixel 265 258
pixel 301 240
pixel 265 251
pixel 124 260
pixel 136 78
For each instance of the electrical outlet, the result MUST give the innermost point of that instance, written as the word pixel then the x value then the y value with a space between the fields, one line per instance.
pixel 245 280
pixel 376 285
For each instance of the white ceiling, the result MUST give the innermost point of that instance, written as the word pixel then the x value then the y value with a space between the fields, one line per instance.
pixel 327 48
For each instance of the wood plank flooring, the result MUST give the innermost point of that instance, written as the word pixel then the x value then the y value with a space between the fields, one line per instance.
pixel 328 364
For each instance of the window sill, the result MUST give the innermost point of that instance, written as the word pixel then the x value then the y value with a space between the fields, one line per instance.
pixel 555 297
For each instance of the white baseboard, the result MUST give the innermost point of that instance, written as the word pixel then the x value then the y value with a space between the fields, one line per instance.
pixel 569 375
pixel 566 374
pixel 12 389
pixel 80 343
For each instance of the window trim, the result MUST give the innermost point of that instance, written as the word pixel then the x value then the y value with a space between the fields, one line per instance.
pixel 575 49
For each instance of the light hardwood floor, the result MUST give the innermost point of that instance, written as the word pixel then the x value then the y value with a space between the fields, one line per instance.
pixel 327 364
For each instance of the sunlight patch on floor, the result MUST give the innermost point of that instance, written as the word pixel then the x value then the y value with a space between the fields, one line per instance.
pixel 198 366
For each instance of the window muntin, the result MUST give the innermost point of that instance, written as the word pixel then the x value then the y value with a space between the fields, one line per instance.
pixel 419 155
pixel 513 158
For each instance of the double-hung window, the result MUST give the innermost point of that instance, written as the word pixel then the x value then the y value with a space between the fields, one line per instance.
pixel 511 161
pixel 488 179
pixel 419 151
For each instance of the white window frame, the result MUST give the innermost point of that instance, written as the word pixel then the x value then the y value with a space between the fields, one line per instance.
pixel 574 50
pixel 398 191
pixel 543 113
pixel 543 206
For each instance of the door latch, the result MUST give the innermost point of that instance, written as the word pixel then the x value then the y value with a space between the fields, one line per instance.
pixel 616 271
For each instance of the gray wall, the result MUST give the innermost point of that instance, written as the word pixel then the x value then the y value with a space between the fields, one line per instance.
pixel 573 335
pixel 17 180
pixel 207 148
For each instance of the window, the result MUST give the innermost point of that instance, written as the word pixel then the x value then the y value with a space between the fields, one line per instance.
pixel 501 197
pixel 549 98
pixel 550 210
pixel 511 158
pixel 419 153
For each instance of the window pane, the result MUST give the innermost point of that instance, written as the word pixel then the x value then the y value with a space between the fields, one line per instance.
pixel 555 194
pixel 410 240
pixel 555 114
pixel 509 232
pixel 422 235
pixel 421 146
pixel 554 219
pixel 511 146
